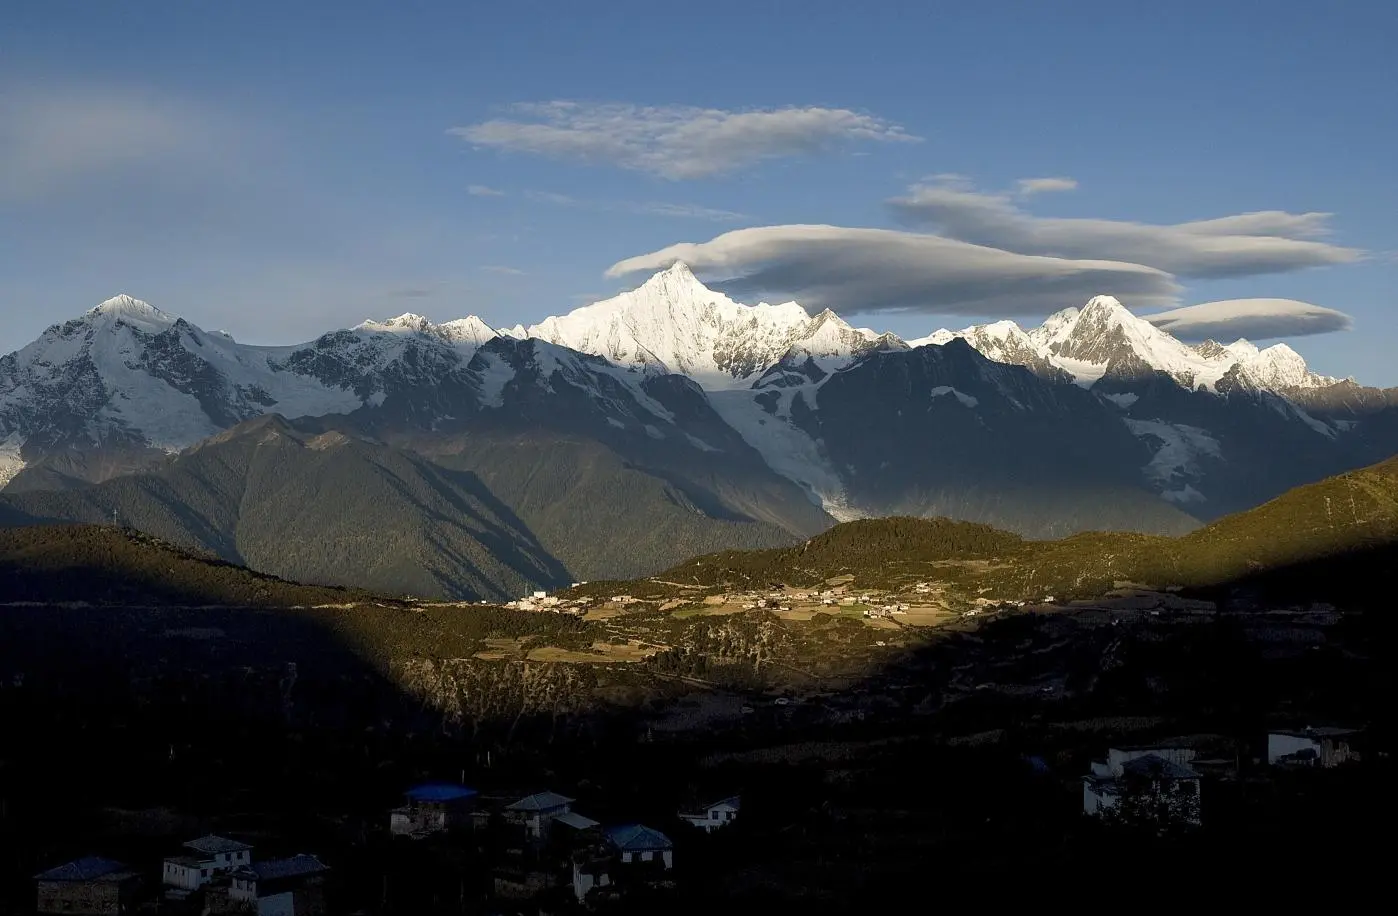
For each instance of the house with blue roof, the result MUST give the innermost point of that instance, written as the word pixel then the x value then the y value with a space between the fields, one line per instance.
pixel 90 885
pixel 433 807
pixel 637 843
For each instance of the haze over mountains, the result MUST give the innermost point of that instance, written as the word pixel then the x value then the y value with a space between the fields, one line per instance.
pixel 455 459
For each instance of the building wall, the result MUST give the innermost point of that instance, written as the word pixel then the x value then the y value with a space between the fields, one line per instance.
pixel 283 904
pixel 1279 746
pixel 93 898
pixel 183 876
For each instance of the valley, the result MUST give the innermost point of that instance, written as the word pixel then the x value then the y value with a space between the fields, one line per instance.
pixel 879 655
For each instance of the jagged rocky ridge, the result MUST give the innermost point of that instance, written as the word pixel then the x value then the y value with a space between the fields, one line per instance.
pixel 725 424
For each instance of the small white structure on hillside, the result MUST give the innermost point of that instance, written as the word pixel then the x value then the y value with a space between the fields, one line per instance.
pixel 713 816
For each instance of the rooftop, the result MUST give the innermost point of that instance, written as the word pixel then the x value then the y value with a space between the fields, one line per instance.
pixel 439 792
pixel 298 866
pixel 88 868
pixel 213 845
pixel 703 808
pixel 1326 731
pixel 576 821
pixel 540 801
pixel 638 838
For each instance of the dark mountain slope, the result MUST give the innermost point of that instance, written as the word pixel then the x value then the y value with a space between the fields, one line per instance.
pixel 945 431
pixel 317 502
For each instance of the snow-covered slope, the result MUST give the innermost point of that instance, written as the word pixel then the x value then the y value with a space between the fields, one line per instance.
pixel 1103 338
pixel 674 320
pixel 127 376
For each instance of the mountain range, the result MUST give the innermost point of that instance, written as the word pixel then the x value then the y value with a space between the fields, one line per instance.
pixel 457 459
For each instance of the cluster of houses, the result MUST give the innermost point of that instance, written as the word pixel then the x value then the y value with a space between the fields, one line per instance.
pixel 1161 785
pixel 543 601
pixel 549 845
pixel 211 875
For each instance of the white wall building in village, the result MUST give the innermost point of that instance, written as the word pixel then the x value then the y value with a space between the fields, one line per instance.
pixel 1156 784
pixel 713 816
pixel 206 857
pixel 1323 747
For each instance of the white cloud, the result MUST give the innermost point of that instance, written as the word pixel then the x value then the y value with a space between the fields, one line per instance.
pixel 54 139
pixel 647 208
pixel 501 269
pixel 1232 246
pixel 674 141
pixel 866 270
pixel 1030 186
pixel 1258 319
pixel 480 190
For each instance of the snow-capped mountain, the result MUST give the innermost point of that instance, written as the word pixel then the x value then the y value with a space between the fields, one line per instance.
pixel 1103 339
pixel 677 322
pixel 126 378
pixel 681 379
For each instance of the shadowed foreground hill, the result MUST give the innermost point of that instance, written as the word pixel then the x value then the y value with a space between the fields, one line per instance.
pixel 1347 524
pixel 103 565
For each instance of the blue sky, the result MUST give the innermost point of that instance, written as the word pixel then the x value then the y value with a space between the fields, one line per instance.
pixel 280 169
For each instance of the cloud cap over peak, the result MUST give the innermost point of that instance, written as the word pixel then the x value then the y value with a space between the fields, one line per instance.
pixel 868 270
pixel 674 141
pixel 1255 319
pixel 1232 246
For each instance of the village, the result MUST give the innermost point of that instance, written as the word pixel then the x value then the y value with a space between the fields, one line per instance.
pixel 542 853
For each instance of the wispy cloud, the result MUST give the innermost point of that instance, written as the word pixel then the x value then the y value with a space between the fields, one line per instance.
pixel 674 142
pixel 1030 186
pixel 646 208
pixel 54 139
pixel 1259 319
pixel 1232 246
pixel 501 269
pixel 481 190
pixel 868 270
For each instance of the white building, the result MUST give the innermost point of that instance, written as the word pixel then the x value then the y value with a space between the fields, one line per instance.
pixel 280 887
pixel 1144 784
pixel 536 812
pixel 640 844
pixel 206 857
pixel 1324 747
pixel 713 816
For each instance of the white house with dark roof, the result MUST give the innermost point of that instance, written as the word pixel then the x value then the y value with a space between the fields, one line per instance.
pixel 639 843
pixel 713 815
pixel 278 886
pixel 205 857
pixel 1144 784
pixel 536 812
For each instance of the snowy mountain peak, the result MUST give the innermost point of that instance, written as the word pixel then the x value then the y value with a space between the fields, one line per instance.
pixel 1242 348
pixel 674 320
pixel 132 311
pixel 407 322
pixel 469 330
